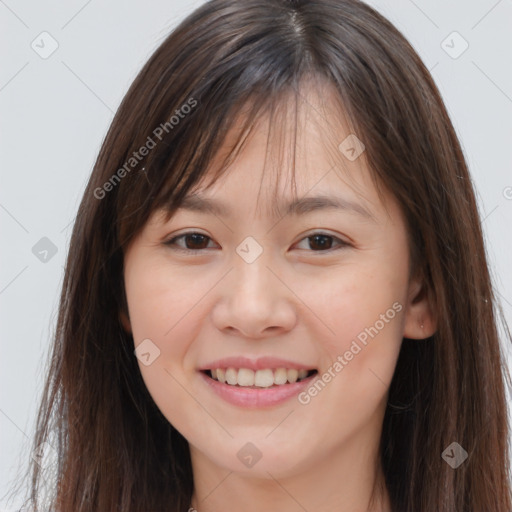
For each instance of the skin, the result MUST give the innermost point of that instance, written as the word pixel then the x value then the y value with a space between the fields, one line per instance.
pixel 293 302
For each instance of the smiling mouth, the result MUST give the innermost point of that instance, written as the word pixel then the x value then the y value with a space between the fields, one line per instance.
pixel 267 378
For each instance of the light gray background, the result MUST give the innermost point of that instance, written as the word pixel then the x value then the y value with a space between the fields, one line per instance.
pixel 56 111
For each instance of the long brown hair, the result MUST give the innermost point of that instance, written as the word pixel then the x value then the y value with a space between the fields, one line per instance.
pixel 116 451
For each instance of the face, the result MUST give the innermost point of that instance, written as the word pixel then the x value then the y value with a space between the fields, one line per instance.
pixel 325 290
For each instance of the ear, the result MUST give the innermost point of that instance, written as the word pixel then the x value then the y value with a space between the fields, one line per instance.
pixel 125 321
pixel 420 322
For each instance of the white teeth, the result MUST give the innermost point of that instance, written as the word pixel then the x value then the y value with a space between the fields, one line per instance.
pixel 221 375
pixel 232 376
pixel 302 374
pixel 246 377
pixel 260 378
pixel 293 375
pixel 281 376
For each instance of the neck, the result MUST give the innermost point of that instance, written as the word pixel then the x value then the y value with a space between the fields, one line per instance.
pixel 285 497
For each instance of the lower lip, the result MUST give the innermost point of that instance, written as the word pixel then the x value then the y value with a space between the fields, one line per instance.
pixel 256 398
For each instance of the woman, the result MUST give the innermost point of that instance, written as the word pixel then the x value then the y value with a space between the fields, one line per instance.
pixel 249 371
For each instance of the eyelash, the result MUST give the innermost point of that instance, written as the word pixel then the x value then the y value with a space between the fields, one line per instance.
pixel 174 246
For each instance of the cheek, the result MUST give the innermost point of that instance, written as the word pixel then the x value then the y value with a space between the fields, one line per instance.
pixel 361 308
pixel 150 302
pixel 353 299
pixel 361 355
pixel 156 295
pixel 163 307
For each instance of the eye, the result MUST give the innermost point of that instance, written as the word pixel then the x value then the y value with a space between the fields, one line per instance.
pixel 322 242
pixel 195 242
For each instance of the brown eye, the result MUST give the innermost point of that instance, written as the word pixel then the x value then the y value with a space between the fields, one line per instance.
pixel 193 241
pixel 196 242
pixel 322 242
pixel 319 242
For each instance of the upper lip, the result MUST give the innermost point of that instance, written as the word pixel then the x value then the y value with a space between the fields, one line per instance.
pixel 260 363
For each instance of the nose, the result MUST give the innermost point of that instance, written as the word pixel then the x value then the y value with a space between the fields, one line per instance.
pixel 254 301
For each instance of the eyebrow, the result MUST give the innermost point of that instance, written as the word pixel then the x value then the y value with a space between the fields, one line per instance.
pixel 298 207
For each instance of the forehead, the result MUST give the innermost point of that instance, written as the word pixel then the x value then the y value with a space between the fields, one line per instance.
pixel 300 152
pixel 296 207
